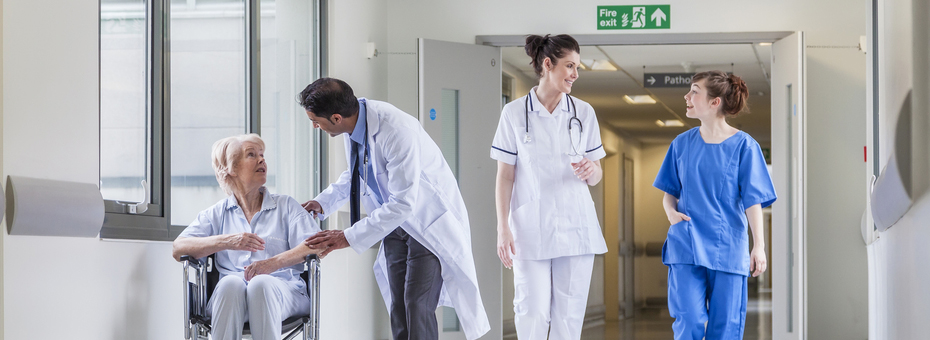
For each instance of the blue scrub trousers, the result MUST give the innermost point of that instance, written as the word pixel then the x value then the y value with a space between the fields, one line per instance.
pixel 697 295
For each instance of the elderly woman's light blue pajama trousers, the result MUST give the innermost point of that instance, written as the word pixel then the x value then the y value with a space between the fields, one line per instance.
pixel 264 302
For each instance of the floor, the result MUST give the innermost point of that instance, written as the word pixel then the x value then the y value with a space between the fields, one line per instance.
pixel 656 324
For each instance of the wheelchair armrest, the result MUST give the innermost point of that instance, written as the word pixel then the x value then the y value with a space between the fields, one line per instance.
pixel 191 259
pixel 198 264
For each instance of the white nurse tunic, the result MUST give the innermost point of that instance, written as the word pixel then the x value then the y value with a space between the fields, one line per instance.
pixel 551 211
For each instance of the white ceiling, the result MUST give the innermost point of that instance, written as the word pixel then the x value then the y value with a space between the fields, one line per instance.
pixel 605 89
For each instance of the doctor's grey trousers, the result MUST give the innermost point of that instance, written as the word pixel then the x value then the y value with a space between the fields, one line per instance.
pixel 415 277
pixel 264 302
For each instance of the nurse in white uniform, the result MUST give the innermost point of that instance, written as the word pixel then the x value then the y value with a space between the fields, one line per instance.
pixel 548 148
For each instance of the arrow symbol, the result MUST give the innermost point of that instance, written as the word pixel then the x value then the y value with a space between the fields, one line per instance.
pixel 651 80
pixel 658 16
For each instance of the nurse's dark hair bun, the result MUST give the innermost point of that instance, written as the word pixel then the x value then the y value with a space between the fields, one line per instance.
pixel 731 89
pixel 553 47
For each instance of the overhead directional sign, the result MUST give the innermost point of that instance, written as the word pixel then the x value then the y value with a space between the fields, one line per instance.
pixel 667 79
pixel 634 17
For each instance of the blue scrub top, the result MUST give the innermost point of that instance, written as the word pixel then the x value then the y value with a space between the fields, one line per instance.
pixel 714 184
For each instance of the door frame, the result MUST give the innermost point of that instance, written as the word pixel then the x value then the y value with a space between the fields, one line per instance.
pixel 646 38
pixel 627 247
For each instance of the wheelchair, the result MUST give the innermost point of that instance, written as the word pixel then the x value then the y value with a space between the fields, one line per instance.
pixel 200 279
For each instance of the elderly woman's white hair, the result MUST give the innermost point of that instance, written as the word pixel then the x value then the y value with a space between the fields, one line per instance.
pixel 226 155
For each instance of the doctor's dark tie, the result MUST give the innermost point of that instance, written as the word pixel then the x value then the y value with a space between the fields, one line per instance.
pixel 354 213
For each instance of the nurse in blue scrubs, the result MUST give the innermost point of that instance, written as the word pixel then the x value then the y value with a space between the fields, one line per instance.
pixel 715 183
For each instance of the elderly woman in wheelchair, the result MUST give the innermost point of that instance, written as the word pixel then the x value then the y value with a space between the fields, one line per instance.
pixel 258 239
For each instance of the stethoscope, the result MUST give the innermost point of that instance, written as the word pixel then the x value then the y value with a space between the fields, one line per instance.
pixel 365 158
pixel 528 106
pixel 365 166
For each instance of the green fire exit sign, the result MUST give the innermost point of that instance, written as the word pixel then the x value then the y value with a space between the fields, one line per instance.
pixel 634 17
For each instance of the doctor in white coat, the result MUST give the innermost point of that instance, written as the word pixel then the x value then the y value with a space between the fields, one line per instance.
pixel 414 207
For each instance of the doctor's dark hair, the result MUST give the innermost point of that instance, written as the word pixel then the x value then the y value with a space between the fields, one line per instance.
pixel 553 47
pixel 328 96
pixel 731 89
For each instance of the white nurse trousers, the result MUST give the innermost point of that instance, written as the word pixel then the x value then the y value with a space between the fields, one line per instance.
pixel 550 296
pixel 264 302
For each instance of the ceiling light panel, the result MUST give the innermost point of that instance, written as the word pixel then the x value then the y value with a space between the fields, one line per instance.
pixel 639 99
pixel 598 65
pixel 670 123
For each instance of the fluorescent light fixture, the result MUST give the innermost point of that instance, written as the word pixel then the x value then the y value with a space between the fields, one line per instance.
pixel 670 123
pixel 603 65
pixel 597 65
pixel 765 44
pixel 639 99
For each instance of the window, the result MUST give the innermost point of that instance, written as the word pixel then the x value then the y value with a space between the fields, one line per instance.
pixel 286 68
pixel 235 66
pixel 208 96
pixel 123 111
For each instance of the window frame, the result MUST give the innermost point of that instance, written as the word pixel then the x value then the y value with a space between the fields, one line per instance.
pixel 154 223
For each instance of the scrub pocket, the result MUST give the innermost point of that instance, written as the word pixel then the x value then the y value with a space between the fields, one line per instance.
pixel 678 247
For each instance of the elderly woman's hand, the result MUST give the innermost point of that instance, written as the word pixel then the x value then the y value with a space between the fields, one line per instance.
pixel 244 241
pixel 257 268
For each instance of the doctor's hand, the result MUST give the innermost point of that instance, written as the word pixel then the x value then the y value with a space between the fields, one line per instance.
pixel 327 239
pixel 244 241
pixel 676 217
pixel 266 266
pixel 313 207
pixel 757 262
pixel 505 247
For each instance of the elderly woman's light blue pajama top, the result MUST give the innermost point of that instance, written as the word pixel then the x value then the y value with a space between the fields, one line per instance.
pixel 714 184
pixel 282 223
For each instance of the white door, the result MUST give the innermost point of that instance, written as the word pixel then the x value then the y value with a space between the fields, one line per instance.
pixel 627 248
pixel 788 138
pixel 460 105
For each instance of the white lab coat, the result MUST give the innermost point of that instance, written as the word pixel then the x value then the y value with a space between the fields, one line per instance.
pixel 551 211
pixel 420 195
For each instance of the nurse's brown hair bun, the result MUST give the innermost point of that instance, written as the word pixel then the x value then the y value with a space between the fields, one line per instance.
pixel 731 89
pixel 553 47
